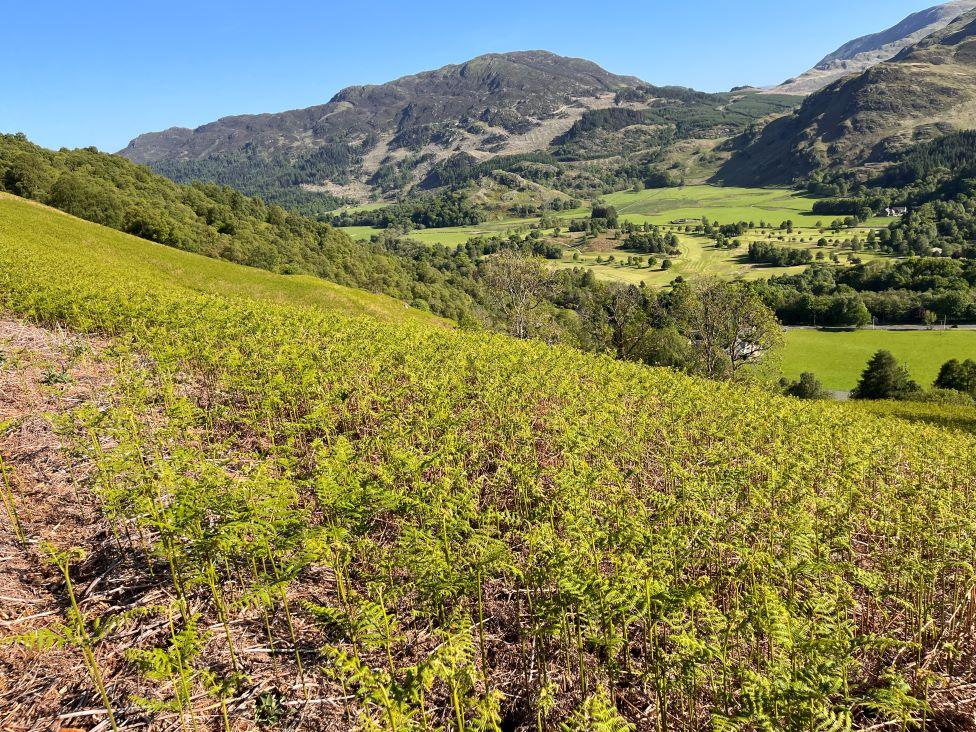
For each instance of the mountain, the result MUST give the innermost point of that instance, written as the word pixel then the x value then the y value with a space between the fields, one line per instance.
pixel 418 131
pixel 494 104
pixel 861 123
pixel 862 53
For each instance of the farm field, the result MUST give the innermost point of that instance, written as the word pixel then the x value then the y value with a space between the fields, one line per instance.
pixel 452 236
pixel 838 358
pixel 660 207
pixel 725 205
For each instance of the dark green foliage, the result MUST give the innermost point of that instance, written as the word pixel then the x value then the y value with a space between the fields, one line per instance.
pixel 885 378
pixel 892 292
pixel 764 253
pixel 427 211
pixel 958 376
pixel 652 242
pixel 414 138
pixel 216 221
pixel 648 92
pixel 807 387
pixel 605 213
pixel 953 156
pixel 693 113
pixel 671 116
pixel 861 209
pixel 612 119
pixel 461 168
pixel 277 177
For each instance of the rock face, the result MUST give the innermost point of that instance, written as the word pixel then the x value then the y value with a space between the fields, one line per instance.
pixel 862 53
pixel 860 122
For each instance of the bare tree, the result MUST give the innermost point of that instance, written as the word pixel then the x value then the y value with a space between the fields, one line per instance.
pixel 519 285
pixel 728 324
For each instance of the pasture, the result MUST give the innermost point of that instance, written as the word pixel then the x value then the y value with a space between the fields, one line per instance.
pixel 722 205
pixel 699 255
pixel 838 358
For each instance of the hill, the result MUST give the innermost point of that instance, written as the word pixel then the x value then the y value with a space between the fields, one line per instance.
pixel 62 238
pixel 493 104
pixel 217 222
pixel 245 513
pixel 862 53
pixel 863 122
pixel 442 127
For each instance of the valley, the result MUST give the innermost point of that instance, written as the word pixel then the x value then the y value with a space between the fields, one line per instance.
pixel 660 207
pixel 507 393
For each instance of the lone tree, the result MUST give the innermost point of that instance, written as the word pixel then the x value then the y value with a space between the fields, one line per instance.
pixel 885 378
pixel 728 325
pixel 519 285
pixel 618 319
pixel 607 213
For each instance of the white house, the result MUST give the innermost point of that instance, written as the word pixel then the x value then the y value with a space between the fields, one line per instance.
pixel 898 211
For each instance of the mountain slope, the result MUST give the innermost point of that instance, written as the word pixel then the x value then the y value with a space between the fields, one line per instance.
pixel 52 234
pixel 862 53
pixel 215 221
pixel 493 104
pixel 926 91
pixel 419 131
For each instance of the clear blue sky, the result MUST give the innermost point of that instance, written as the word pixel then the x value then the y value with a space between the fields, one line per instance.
pixel 99 73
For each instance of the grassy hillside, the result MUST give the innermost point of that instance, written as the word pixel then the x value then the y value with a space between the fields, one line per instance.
pixel 215 221
pixel 839 358
pixel 306 520
pixel 98 251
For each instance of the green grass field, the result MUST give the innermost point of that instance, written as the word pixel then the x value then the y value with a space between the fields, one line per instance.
pixel 61 235
pixel 724 205
pixel 452 236
pixel 839 358
pixel 660 207
pixel 700 257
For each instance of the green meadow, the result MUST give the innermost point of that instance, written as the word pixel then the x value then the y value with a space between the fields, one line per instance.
pixel 720 204
pixel 662 206
pixel 838 358
pixel 701 257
